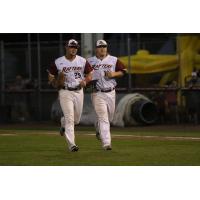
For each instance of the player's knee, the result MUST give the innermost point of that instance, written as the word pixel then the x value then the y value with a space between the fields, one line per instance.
pixel 69 121
pixel 104 119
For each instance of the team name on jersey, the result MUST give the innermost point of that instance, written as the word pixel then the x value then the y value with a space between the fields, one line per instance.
pixel 104 66
pixel 69 69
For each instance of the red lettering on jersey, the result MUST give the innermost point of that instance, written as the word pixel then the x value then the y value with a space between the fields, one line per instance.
pixel 68 69
pixel 95 67
pixel 104 66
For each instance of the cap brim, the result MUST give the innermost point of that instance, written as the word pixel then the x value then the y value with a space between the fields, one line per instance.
pixel 103 45
pixel 77 46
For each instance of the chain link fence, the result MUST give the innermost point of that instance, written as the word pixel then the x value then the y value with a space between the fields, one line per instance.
pixel 25 93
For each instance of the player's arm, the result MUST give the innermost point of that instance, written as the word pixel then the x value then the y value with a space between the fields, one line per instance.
pixel 88 74
pixel 120 70
pixel 52 73
pixel 114 74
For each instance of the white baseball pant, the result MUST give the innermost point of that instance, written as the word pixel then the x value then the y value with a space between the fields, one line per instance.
pixel 104 105
pixel 72 105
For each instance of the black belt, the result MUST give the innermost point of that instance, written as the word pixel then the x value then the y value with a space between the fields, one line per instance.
pixel 106 90
pixel 72 89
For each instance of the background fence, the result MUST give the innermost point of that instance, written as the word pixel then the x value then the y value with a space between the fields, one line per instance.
pixel 25 93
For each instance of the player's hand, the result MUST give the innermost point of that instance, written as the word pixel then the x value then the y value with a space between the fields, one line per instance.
pixel 114 74
pixel 83 83
pixel 109 74
pixel 51 77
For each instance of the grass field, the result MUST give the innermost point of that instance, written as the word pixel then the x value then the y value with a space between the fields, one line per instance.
pixel 131 147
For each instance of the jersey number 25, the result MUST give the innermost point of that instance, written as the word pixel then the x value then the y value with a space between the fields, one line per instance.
pixel 77 75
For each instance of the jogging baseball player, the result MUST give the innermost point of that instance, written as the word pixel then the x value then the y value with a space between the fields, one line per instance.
pixel 69 74
pixel 106 69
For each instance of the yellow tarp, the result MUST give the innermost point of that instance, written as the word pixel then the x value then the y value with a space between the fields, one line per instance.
pixel 144 63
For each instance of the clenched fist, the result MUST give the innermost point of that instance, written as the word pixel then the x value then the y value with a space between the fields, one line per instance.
pixel 108 74
pixel 83 83
pixel 51 78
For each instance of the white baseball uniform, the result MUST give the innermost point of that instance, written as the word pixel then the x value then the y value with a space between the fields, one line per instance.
pixel 104 98
pixel 71 96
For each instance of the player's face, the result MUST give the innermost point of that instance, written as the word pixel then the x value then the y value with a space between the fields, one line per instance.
pixel 101 51
pixel 72 51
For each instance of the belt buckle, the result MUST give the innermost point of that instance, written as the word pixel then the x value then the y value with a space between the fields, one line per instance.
pixel 71 89
pixel 101 90
pixel 74 89
pixel 109 90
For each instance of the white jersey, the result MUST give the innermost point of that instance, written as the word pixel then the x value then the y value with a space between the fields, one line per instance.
pixel 73 70
pixel 100 67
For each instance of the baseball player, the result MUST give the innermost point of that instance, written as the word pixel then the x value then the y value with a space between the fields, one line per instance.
pixel 70 73
pixel 106 69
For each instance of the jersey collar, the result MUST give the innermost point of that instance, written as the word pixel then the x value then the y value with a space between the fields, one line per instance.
pixel 103 58
pixel 70 60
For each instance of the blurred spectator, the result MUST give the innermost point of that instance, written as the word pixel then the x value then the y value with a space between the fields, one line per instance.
pixel 192 105
pixel 195 78
pixel 192 97
pixel 21 84
pixel 171 105
pixel 30 84
pixel 18 84
pixel 19 111
pixel 159 100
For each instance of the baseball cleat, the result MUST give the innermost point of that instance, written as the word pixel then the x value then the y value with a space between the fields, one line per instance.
pixel 74 148
pixel 98 136
pixel 107 148
pixel 62 131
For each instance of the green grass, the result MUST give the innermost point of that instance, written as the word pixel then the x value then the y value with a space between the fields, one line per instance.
pixel 37 148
